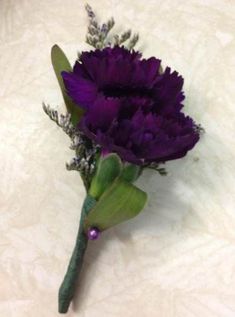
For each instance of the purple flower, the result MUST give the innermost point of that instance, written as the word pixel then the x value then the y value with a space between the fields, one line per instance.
pixel 131 107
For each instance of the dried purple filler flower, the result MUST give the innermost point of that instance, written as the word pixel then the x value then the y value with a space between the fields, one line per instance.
pixel 132 108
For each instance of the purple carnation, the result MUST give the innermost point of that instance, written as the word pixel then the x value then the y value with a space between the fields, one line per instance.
pixel 132 108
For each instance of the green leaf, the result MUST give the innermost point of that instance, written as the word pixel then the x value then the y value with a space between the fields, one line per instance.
pixel 60 63
pixel 120 202
pixel 130 172
pixel 108 169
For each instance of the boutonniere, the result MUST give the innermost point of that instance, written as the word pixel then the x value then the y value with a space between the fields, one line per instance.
pixel 124 115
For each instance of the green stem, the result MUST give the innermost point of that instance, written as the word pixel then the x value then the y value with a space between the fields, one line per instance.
pixel 85 181
pixel 68 286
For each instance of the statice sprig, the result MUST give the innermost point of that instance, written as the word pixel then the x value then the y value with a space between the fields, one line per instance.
pixel 199 128
pixel 97 35
pixel 63 121
pixel 155 166
pixel 119 40
pixel 85 150
pixel 133 41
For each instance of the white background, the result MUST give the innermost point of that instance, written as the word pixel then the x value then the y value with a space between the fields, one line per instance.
pixel 177 259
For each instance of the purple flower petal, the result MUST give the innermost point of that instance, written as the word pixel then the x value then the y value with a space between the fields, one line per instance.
pixel 132 109
pixel 82 91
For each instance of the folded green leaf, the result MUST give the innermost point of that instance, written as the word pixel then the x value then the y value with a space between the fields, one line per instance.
pixel 60 63
pixel 120 202
pixel 130 172
pixel 108 169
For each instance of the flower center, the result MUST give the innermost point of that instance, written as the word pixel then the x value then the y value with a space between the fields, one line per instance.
pixel 122 91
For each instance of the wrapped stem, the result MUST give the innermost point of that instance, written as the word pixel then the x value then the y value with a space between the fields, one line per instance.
pixel 68 286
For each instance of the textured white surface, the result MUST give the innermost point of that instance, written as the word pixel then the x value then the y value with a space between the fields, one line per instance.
pixel 177 259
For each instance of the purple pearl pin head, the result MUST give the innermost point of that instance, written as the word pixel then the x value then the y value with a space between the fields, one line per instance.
pixel 93 233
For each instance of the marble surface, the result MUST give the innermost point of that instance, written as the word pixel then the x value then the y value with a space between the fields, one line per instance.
pixel 177 259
